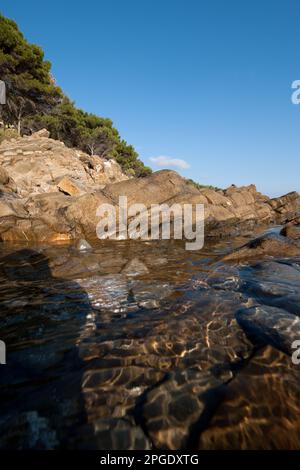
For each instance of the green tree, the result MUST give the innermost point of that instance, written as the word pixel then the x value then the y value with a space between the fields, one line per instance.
pixel 30 87
pixel 34 101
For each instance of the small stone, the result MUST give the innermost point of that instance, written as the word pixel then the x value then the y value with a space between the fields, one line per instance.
pixel 149 304
pixel 82 245
pixel 135 267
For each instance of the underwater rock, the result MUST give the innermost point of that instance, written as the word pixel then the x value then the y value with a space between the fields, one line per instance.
pixel 270 325
pixel 183 400
pixel 261 407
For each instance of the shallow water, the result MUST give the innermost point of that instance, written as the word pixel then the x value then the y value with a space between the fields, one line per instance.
pixel 137 345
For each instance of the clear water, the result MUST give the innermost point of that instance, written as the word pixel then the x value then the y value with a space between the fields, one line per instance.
pixel 107 357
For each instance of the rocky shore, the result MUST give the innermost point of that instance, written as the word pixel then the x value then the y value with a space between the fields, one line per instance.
pixel 130 345
pixel 50 193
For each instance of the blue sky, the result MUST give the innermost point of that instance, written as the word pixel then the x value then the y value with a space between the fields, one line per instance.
pixel 206 82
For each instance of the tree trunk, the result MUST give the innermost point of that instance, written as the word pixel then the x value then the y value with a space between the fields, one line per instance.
pixel 91 149
pixel 19 124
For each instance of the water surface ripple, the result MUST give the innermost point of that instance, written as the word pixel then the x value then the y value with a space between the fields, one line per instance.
pixel 137 345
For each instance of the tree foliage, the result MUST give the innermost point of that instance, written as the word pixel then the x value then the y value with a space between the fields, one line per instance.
pixel 34 101
pixel 30 87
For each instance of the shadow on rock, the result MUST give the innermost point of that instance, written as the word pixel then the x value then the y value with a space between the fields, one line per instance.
pixel 40 387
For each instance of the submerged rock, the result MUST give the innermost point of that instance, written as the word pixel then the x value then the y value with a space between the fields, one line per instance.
pixel 273 283
pixel 162 360
pixel 270 325
pixel 135 267
pixel 174 407
pixel 110 433
pixel 29 430
pixel 83 245
pixel 119 434
pixel 261 407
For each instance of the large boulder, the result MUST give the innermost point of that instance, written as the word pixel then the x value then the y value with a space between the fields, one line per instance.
pixel 154 189
pixel 52 217
pixel 286 207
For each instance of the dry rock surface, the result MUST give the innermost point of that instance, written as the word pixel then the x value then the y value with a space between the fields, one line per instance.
pixel 49 192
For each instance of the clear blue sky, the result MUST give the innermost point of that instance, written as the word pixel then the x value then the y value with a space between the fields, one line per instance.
pixel 208 82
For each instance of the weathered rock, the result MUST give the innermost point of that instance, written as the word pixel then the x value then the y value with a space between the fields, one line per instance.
pixel 154 189
pixel 270 244
pixel 81 214
pixel 41 133
pixel 4 178
pixel 36 165
pixel 286 207
pixel 70 187
pixel 55 217
pixel 10 205
pixel 291 231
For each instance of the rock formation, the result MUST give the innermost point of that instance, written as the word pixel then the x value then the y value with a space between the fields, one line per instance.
pixel 49 192
pixel 38 164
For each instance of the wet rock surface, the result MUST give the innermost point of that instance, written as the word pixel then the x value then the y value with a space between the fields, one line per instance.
pixel 275 283
pixel 271 325
pixel 130 345
pixel 268 245
pixel 178 405
pixel 260 409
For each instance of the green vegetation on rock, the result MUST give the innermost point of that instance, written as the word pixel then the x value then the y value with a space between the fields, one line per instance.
pixel 35 101
pixel 201 186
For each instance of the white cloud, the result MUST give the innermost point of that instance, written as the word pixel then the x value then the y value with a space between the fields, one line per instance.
pixel 168 162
